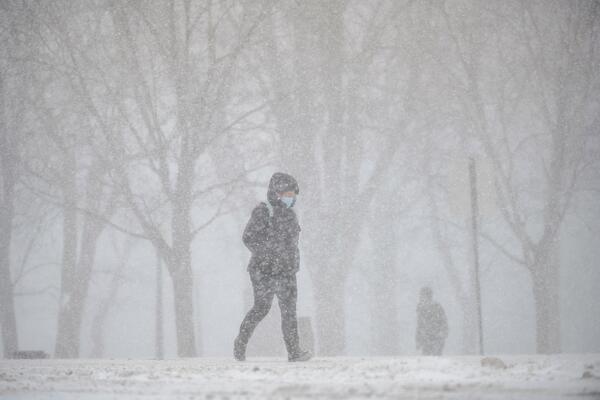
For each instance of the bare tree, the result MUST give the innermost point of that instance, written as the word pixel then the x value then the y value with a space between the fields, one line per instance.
pixel 318 111
pixel 65 173
pixel 92 204
pixel 13 83
pixel 117 277
pixel 200 69
pixel 560 93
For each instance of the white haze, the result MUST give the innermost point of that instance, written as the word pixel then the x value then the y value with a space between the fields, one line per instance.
pixel 117 116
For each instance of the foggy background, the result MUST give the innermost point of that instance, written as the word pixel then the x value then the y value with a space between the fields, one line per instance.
pixel 136 137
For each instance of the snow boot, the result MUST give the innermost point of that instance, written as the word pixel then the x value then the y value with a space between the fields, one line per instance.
pixel 239 350
pixel 302 355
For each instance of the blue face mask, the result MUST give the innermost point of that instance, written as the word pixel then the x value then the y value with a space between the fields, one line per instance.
pixel 288 201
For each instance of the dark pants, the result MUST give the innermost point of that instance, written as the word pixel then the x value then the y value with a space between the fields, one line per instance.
pixel 433 348
pixel 265 288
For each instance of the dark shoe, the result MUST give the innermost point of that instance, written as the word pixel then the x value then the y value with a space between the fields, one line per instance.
pixel 302 355
pixel 239 350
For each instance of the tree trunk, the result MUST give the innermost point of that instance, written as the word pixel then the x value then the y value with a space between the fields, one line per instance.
pixel 385 319
pixel 330 313
pixel 184 310
pixel 76 273
pixel 69 331
pixel 326 237
pixel 99 320
pixel 158 322
pixel 463 293
pixel 180 263
pixel 469 323
pixel 332 322
pixel 97 334
pixel 383 304
pixel 7 308
pixel 8 320
pixel 545 281
pixel 64 347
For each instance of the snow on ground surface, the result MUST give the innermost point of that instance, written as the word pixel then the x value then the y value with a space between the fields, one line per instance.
pixel 466 377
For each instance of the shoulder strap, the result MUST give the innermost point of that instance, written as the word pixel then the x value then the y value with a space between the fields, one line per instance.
pixel 270 208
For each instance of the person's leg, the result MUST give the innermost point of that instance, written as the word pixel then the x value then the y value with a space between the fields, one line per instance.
pixel 428 348
pixel 439 347
pixel 263 297
pixel 287 295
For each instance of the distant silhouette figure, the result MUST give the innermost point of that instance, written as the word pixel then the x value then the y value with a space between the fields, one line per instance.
pixel 432 325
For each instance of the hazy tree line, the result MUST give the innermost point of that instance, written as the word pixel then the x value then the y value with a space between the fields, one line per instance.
pixel 147 121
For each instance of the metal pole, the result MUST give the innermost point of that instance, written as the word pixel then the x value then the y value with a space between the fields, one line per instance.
pixel 197 318
pixel 159 309
pixel 475 227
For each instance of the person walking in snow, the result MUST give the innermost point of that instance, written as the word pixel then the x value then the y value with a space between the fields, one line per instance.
pixel 432 325
pixel 272 235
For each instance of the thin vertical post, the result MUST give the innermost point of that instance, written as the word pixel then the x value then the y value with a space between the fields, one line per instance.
pixel 475 232
pixel 197 319
pixel 159 308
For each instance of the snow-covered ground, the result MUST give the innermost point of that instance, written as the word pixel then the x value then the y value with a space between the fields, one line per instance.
pixel 507 377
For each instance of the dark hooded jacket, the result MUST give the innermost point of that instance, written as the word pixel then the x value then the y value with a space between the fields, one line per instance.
pixel 432 325
pixel 272 233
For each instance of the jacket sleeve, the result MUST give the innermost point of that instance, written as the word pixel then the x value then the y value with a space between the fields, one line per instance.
pixel 419 331
pixel 255 235
pixel 444 323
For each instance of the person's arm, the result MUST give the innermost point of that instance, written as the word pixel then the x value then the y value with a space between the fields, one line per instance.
pixel 290 253
pixel 444 323
pixel 419 332
pixel 255 235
